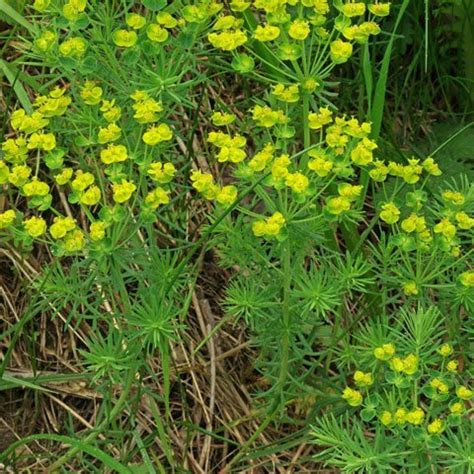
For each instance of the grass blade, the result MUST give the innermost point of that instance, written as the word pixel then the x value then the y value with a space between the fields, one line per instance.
pixel 17 85
pixel 97 453
pixel 16 16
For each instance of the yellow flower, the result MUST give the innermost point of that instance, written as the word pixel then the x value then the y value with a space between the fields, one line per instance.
pixel 320 163
pixel 20 120
pixel 146 108
pixel 379 172
pixel 466 278
pixel 445 350
pixel 266 33
pixel 4 172
pixel 73 47
pixel 436 426
pixel 156 33
pixel 299 30
pixel 288 94
pixel 319 119
pixel 64 176
pixel 36 188
pixel 110 133
pixel 269 227
pixel 452 365
pixel 73 8
pixel 111 112
pixel 74 241
pixel 310 84
pixel 157 134
pixel 338 205
pixel 415 417
pixel 97 230
pixel 239 5
pixel 46 40
pixel 227 195
pixel 410 288
pixel 454 197
pixel 162 173
pixel 19 175
pixel 264 116
pixel 91 93
pixel 410 364
pixel 114 154
pixel 396 364
pixel 157 197
pixel 82 181
pixel 457 408
pixel 166 19
pixel 91 197
pixel 464 393
pixel 232 154
pixel 362 154
pixel 16 150
pixel 439 385
pixel 41 5
pixel 204 183
pixel 227 40
pixel 220 119
pixel 353 397
pixel 42 141
pixel 386 418
pixel 135 21
pixel 35 226
pixel 261 159
pixel 349 191
pixel 368 28
pixel 221 139
pixel 390 213
pixel 379 9
pixel 54 105
pixel 431 167
pixel 7 218
pixel 353 9
pixel 227 22
pixel 341 51
pixel 385 352
pixel 61 226
pixel 280 167
pixel 125 38
pixel 413 223
pixel 445 228
pixel 363 379
pixel 464 221
pixel 123 191
pixel 298 182
pixel 400 416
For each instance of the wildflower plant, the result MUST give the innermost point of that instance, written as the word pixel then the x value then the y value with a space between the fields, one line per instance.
pixel 410 391
pixel 351 266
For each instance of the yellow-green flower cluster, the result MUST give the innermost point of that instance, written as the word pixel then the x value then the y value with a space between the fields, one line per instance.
pixel 269 227
pixel 353 397
pixel 285 28
pixel 157 31
pixel 204 184
pixel 230 147
pixel 106 178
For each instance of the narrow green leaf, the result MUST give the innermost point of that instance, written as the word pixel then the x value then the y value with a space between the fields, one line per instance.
pixel 8 382
pixel 18 17
pixel 381 86
pixel 17 85
pixel 97 453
